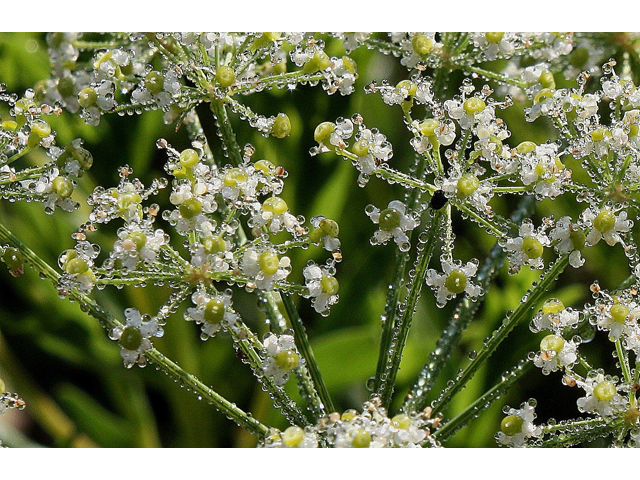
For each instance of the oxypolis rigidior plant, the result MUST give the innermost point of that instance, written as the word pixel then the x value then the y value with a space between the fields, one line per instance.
pixel 224 225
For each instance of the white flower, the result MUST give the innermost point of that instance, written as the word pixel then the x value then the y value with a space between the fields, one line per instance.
pixel 527 248
pixel 568 239
pixel 605 224
pixel 554 317
pixel 322 286
pixel 455 279
pixel 394 221
pixel 292 437
pixel 264 268
pixel 280 357
pixel 601 396
pixel 212 312
pixel 555 353
pixel 134 336
pixel 518 426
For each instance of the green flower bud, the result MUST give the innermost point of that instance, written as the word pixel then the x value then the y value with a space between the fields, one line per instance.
pixel 190 208
pixel 473 105
pixel 361 148
pixel 62 186
pixel 131 338
pixel 282 126
pixel 275 205
pixel 456 281
pixel 214 311
pixel 422 45
pixel 511 425
pixel 287 359
pixel 76 266
pixel 605 221
pixel 329 285
pixel 389 219
pixel 225 76
pixel 604 391
pixel 189 158
pixel 234 176
pixel 41 128
pixel 154 81
pixel 293 436
pixel 269 263
pixel 87 97
pixel 532 247
pixel 467 184
pixel 265 166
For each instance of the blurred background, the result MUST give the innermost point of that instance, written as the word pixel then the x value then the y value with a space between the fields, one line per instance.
pixel 71 376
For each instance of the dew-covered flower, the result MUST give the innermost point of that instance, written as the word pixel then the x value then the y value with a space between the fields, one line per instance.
pixel 527 248
pixel 134 336
pixel 613 315
pixel 212 312
pixel 274 214
pixel 138 243
pixel 393 221
pixel 292 437
pixel 601 395
pixel 467 188
pixel 605 225
pixel 322 285
pixel 77 264
pixel 518 425
pixel 543 169
pixel 280 357
pixel 555 353
pixel 568 239
pixel 55 189
pixel 555 317
pixel 325 233
pixel 264 267
pixel 454 280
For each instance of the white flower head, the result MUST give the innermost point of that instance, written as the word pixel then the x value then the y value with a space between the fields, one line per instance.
pixel 213 312
pixel 264 268
pixel 322 286
pixel 554 317
pixel 555 353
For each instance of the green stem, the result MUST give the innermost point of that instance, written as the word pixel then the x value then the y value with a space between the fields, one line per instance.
pixel 386 379
pixel 495 76
pixel 226 133
pixel 108 321
pixel 529 301
pixel 320 392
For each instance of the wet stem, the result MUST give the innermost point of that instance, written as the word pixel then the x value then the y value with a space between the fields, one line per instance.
pixel 108 321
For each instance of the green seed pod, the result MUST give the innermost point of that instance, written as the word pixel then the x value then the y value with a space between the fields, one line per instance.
pixel 349 415
pixel 62 186
pixel 604 391
pixel 76 266
pixel 473 105
pixel 41 128
pixel 362 439
pixel 467 184
pixel 619 313
pixel 214 244
pixel 456 281
pixel 131 338
pixel 422 45
pixel 360 148
pixel 190 208
pixel 402 421
pixel 330 227
pixel 552 343
pixel 552 306
pixel 234 176
pixel 428 127
pixel 526 147
pixel 275 205
pixel 319 61
pixel 323 132
pixel 329 285
pixel 66 86
pixel 494 37
pixel 282 126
